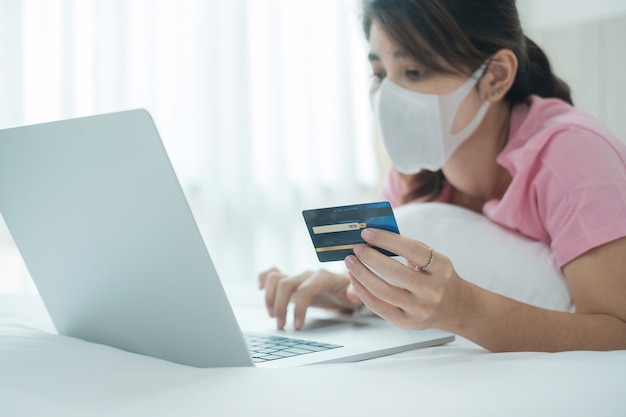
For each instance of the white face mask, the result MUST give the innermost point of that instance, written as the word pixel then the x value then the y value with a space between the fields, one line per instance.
pixel 416 128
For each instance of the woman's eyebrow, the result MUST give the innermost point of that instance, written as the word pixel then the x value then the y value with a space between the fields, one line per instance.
pixel 372 57
pixel 400 54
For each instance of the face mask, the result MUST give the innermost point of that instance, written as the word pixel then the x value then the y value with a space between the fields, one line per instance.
pixel 416 129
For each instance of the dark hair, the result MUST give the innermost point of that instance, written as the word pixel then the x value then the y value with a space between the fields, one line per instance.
pixel 464 34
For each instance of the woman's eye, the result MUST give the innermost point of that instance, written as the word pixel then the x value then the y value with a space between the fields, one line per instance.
pixel 414 74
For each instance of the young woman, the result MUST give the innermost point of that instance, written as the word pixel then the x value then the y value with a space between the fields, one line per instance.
pixel 471 114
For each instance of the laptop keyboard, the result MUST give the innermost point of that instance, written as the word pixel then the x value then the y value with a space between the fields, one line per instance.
pixel 265 348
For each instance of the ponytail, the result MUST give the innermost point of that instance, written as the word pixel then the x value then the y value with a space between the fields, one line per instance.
pixel 535 76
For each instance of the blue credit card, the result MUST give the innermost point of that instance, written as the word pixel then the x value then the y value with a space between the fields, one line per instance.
pixel 335 231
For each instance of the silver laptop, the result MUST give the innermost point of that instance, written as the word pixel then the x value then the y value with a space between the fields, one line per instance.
pixel 103 226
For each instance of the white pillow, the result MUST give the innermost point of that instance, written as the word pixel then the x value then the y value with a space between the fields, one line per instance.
pixel 487 254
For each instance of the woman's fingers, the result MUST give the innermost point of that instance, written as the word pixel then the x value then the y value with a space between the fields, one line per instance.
pixel 270 280
pixel 313 285
pixel 416 253
pixel 389 293
pixel 391 270
pixel 352 295
pixel 284 291
pixel 374 302
pixel 319 288
pixel 263 277
pixel 408 296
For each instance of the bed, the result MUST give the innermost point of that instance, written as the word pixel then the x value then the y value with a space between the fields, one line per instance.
pixel 46 374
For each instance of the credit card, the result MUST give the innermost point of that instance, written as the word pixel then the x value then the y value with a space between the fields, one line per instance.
pixel 335 231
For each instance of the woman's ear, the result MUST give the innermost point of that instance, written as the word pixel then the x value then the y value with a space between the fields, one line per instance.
pixel 500 75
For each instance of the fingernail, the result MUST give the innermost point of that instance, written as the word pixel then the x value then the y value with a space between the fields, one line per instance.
pixel 368 234
pixel 297 323
pixel 350 261
pixel 271 311
pixel 280 324
pixel 358 249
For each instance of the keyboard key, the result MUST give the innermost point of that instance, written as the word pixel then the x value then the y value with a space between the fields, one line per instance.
pixel 311 347
pixel 265 348
pixel 299 351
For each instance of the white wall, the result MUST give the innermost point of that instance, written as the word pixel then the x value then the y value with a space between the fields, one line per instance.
pixel 586 43
pixel 538 15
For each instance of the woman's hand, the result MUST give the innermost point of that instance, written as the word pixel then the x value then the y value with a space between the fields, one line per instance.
pixel 420 298
pixel 317 289
pixel 439 298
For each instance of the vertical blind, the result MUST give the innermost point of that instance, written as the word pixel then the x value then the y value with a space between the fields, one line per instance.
pixel 262 106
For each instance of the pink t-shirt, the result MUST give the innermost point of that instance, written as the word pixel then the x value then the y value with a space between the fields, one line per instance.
pixel 569 179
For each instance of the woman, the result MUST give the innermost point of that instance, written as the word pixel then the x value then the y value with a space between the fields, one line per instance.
pixel 471 114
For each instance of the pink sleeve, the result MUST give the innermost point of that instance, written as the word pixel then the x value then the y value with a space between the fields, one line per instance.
pixel 581 193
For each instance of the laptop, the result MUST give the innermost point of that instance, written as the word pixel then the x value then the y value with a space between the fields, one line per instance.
pixel 96 210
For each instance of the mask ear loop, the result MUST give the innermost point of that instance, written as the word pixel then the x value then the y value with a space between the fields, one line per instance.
pixel 456 98
pixel 473 80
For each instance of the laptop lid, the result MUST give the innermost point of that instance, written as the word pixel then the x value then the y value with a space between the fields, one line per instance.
pixel 104 228
pixel 107 236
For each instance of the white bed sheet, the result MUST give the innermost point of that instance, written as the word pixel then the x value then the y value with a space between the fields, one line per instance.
pixel 44 374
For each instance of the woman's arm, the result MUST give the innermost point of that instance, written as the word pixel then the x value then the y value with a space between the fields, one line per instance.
pixel 439 298
pixel 597 282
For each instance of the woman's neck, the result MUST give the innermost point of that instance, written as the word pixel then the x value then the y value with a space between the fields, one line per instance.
pixel 472 170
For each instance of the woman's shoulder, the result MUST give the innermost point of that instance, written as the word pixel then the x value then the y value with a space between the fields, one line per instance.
pixel 569 178
pixel 544 117
pixel 554 132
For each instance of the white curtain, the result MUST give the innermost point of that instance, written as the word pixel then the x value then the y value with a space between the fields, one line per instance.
pixel 262 106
